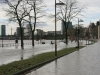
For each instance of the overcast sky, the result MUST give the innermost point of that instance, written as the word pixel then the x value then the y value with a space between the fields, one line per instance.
pixel 92 14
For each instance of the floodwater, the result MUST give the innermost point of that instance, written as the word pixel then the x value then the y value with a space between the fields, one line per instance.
pixel 86 61
pixel 12 53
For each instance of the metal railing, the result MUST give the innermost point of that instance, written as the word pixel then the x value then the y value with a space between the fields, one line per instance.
pixel 13 44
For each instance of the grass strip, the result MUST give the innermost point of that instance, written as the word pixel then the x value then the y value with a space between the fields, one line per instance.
pixel 17 66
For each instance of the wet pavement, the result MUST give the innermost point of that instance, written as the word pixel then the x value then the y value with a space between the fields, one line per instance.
pixel 86 61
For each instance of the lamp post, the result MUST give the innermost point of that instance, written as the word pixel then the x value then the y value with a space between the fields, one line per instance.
pixel 55 27
pixel 55 32
pixel 79 20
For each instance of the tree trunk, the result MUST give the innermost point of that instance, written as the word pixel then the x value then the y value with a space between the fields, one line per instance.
pixel 33 38
pixel 21 31
pixel 66 37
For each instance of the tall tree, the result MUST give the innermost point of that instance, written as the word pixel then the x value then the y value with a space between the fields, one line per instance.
pixel 17 13
pixel 67 12
pixel 35 12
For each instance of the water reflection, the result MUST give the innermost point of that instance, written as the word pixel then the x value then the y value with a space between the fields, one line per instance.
pixel 22 54
pixel 46 70
pixel 15 53
pixel 56 71
pixel 82 62
pixel 68 65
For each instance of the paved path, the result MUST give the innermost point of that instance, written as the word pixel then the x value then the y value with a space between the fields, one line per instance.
pixel 86 61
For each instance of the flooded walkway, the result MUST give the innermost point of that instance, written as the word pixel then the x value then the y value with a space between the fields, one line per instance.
pixel 86 61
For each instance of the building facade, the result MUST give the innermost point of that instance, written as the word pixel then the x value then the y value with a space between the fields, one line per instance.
pixel 63 26
pixel 18 32
pixel 2 30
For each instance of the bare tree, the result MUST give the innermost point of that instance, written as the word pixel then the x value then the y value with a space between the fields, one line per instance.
pixel 35 12
pixel 17 13
pixel 67 12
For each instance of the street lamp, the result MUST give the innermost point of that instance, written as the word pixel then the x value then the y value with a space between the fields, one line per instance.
pixel 55 27
pixel 79 20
